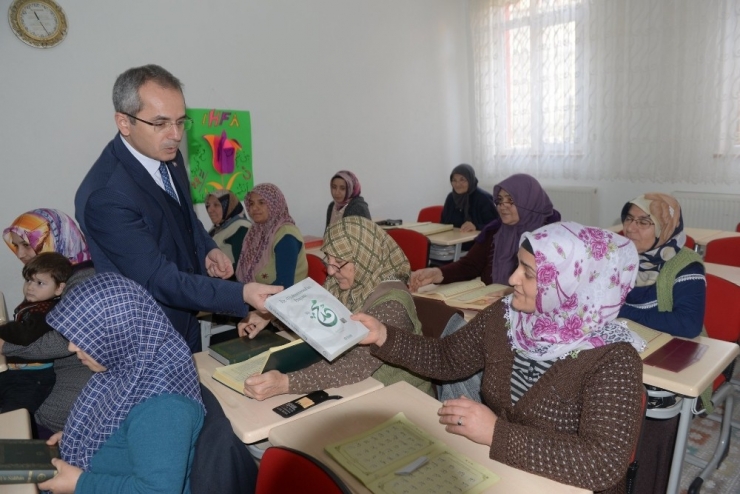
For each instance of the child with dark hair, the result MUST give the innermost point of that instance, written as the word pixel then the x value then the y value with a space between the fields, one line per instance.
pixel 27 384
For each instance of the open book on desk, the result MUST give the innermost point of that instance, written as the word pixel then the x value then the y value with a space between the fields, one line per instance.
pixel 399 456
pixel 316 315
pixel 471 294
pixel 291 357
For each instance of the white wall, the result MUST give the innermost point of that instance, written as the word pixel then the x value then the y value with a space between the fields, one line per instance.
pixel 378 87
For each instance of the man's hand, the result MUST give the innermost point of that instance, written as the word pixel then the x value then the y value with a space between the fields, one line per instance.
pixel 218 265
pixel 255 294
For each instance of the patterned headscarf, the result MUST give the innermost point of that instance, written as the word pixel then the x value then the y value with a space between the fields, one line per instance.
pixel 376 256
pixel 353 187
pixel 534 206
pixel 583 277
pixel 230 208
pixel 665 212
pixel 119 324
pixel 462 201
pixel 49 230
pixel 256 248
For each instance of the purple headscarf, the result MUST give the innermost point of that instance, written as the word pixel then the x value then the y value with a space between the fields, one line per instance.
pixel 353 188
pixel 534 206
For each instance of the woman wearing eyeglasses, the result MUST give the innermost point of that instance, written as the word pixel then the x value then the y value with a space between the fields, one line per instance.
pixel 670 289
pixel 367 272
pixel 522 206
pixel 668 296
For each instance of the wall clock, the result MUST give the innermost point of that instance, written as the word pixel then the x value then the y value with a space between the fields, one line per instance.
pixel 38 23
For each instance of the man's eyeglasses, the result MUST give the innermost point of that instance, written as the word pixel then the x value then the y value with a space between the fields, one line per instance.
pixel 165 125
pixel 328 265
pixel 642 223
pixel 501 202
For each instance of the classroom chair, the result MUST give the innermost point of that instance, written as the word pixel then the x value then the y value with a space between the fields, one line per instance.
pixel 288 470
pixel 414 244
pixel 737 228
pixel 316 269
pixel 431 213
pixel 723 251
pixel 690 243
pixel 722 322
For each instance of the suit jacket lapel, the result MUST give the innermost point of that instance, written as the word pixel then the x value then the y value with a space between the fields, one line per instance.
pixel 148 185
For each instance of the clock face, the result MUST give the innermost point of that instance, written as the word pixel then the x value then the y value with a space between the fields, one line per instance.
pixel 39 23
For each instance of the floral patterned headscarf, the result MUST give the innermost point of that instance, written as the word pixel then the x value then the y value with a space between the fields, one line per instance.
pixel 257 244
pixel 583 277
pixel 665 212
pixel 49 230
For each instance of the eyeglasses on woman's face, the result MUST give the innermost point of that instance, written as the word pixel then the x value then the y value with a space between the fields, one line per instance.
pixel 503 202
pixel 642 223
pixel 336 268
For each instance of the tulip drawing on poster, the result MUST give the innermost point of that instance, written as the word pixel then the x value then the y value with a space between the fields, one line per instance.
pixel 220 152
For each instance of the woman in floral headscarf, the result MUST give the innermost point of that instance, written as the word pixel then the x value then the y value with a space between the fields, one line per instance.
pixel 230 225
pixel 367 271
pixel 51 230
pixel 562 381
pixel 273 252
pixel 670 289
pixel 347 201
pixel 135 425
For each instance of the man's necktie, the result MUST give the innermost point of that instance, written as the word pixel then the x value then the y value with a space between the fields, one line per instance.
pixel 166 181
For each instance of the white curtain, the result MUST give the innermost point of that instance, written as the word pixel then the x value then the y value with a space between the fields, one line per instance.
pixel 637 90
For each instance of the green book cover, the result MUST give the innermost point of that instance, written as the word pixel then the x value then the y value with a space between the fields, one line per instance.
pixel 241 349
pixel 26 461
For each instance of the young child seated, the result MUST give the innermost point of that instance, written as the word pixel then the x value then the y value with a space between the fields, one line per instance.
pixel 27 384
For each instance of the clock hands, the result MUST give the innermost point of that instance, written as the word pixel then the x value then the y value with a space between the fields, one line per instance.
pixel 42 24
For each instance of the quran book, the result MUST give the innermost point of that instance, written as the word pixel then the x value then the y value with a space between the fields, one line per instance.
pixel 244 348
pixel 318 317
pixel 26 461
pixel 399 456
pixel 676 355
pixel 290 357
pixel 654 339
pixel 471 294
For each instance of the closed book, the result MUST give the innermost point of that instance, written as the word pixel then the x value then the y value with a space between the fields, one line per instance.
pixel 26 461
pixel 244 348
pixel 318 317
pixel 290 357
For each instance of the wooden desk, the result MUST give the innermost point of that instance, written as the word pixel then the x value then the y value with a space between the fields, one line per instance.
pixel 689 383
pixel 311 434
pixel 700 235
pixel 453 237
pixel 252 419
pixel 16 425
pixel 730 273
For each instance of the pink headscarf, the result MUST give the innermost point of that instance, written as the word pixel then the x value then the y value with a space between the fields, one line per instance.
pixel 257 245
pixel 583 277
pixel 353 187
pixel 49 230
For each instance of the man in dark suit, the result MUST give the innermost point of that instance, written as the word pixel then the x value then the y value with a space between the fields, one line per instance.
pixel 135 209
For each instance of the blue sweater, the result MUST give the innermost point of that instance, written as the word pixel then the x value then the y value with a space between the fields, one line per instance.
pixel 687 317
pixel 151 452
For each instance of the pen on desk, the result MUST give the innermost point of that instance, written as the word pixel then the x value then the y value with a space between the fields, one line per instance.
pixel 413 466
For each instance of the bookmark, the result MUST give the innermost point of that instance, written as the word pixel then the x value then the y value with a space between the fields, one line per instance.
pixel 413 466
